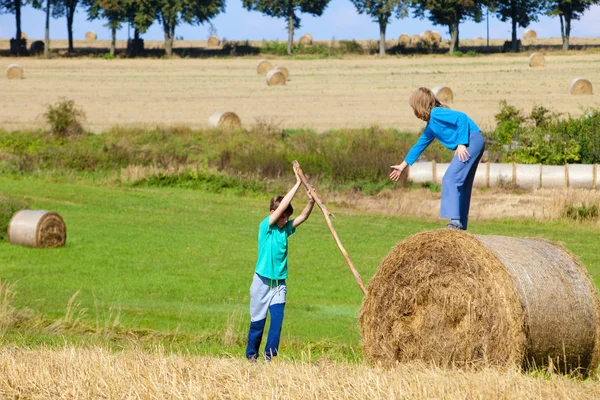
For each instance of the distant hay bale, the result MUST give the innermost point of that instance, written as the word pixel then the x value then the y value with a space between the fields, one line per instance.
pixel 536 60
pixel 414 39
pixel 404 39
pixel 479 38
pixel 37 228
pixel 90 36
pixel 213 41
pixel 450 298
pixel 443 94
pixel 23 35
pixel 580 86
pixel 37 47
pixel 428 36
pixel 263 67
pixel 436 36
pixel 529 34
pixel 284 71
pixel 275 77
pixel 225 120
pixel 14 71
pixel 306 39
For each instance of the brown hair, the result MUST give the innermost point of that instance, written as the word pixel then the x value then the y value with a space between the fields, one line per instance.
pixel 276 200
pixel 423 101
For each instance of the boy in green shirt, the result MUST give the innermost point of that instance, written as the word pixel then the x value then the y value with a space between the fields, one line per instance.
pixel 268 290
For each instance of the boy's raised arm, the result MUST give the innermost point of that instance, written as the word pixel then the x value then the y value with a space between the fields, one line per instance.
pixel 305 213
pixel 287 199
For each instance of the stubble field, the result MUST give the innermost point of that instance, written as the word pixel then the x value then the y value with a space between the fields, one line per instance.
pixel 322 94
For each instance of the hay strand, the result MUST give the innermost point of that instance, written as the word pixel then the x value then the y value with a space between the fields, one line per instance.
pixel 450 298
pixel 306 39
pixel 14 71
pixel 37 228
pixel 404 39
pixel 213 41
pixel 275 77
pixel 536 60
pixel 225 120
pixel 580 86
pixel 91 35
pixel 443 94
pixel 529 34
pixel 263 66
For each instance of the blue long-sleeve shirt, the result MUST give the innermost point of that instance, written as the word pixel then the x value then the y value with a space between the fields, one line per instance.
pixel 450 127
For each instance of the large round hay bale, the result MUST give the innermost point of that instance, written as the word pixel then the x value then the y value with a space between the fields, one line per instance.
pixel 580 86
pixel 436 36
pixel 306 39
pixel 284 71
pixel 404 39
pixel 275 77
pixel 37 47
pixel 536 60
pixel 91 36
pixel 443 94
pixel 213 41
pixel 14 71
pixel 529 34
pixel 414 39
pixel 37 228
pixel 263 66
pixel 450 298
pixel 225 120
pixel 428 36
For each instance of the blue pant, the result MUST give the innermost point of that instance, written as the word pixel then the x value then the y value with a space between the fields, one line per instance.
pixel 457 183
pixel 257 328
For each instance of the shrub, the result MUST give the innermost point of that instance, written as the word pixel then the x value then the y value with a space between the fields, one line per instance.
pixel 64 118
pixel 458 53
pixel 582 212
pixel 9 205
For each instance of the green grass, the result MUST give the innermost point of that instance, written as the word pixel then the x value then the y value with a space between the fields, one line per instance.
pixel 179 260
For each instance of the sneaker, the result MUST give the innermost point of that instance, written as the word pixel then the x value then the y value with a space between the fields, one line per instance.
pixel 252 360
pixel 454 227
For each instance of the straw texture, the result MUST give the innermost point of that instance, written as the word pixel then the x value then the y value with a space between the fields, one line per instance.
pixel 225 120
pixel 536 60
pixel 450 298
pixel 275 77
pixel 263 66
pixel 37 228
pixel 14 71
pixel 404 39
pixel 580 86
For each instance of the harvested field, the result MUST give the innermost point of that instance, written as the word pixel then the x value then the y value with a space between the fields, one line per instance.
pixel 98 373
pixel 340 93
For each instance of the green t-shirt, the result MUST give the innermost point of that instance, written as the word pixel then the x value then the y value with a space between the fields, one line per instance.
pixel 272 249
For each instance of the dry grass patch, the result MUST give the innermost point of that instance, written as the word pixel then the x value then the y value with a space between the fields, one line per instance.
pixel 99 373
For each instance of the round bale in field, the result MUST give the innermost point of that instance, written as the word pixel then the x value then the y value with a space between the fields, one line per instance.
pixel 436 36
pixel 404 39
pixel 263 66
pixel 443 94
pixel 428 36
pixel 529 34
pixel 580 86
pixel 536 60
pixel 225 120
pixel 306 39
pixel 37 47
pixel 414 39
pixel 450 298
pixel 275 77
pixel 23 35
pixel 37 228
pixel 14 71
pixel 213 41
pixel 284 71
pixel 91 36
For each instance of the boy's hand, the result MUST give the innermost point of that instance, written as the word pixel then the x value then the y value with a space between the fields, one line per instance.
pixel 298 180
pixel 311 199
pixel 462 153
pixel 397 171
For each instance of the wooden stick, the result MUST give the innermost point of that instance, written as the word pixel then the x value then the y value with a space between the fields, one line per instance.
pixel 326 214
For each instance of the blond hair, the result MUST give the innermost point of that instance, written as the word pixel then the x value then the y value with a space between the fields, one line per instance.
pixel 423 101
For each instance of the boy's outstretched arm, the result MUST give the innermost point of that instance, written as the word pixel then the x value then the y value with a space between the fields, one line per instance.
pixel 287 199
pixel 305 213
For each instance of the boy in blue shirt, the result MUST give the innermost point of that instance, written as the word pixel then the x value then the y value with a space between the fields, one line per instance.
pixel 458 132
pixel 268 290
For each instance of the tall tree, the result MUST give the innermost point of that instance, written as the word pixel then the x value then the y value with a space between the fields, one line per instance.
pixel 567 11
pixel 66 8
pixel 382 11
pixel 171 13
pixel 14 7
pixel 449 13
pixel 288 9
pixel 519 12
pixel 114 11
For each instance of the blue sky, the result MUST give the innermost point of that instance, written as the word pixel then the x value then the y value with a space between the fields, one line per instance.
pixel 340 21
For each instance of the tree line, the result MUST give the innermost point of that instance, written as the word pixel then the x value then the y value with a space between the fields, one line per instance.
pixel 141 14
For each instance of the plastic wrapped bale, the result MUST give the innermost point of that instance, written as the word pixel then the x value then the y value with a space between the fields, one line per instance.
pixel 443 94
pixel 580 86
pixel 14 71
pixel 451 298
pixel 37 228
pixel 276 77
pixel 225 120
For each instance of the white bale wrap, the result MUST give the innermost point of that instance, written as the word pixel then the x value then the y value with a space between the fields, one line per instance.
pixel 37 228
